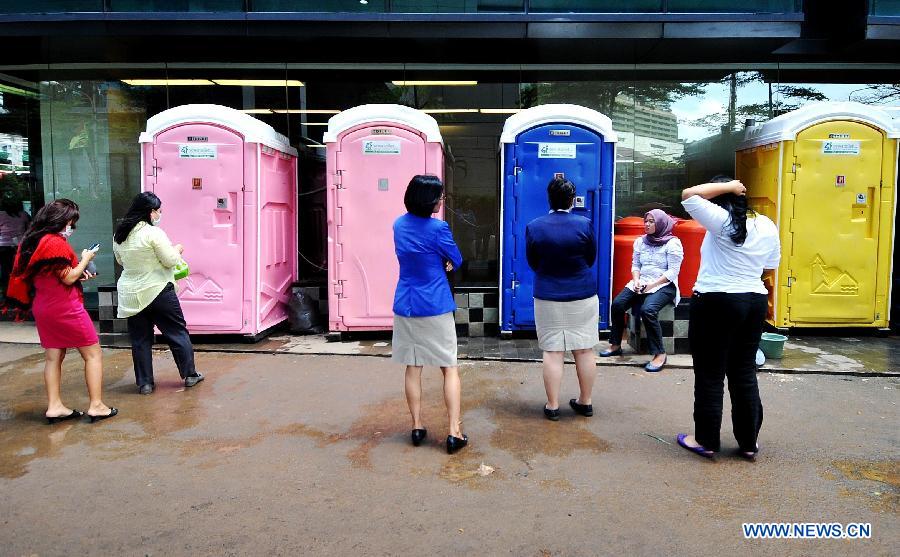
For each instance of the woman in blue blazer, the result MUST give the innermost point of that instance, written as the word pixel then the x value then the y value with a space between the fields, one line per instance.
pixel 424 328
pixel 561 249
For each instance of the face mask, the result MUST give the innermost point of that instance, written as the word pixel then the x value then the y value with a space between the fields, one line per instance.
pixel 155 221
pixel 67 232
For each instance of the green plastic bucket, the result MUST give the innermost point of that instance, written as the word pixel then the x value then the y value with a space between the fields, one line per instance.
pixel 772 345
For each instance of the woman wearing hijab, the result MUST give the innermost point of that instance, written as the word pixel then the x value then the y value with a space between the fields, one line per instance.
pixel 424 329
pixel 47 278
pixel 655 263
pixel 728 310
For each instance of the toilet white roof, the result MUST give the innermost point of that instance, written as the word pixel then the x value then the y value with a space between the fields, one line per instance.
pixel 367 113
pixel 557 114
pixel 253 130
pixel 787 126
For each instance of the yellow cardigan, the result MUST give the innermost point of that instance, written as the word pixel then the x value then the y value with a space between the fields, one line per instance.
pixel 147 257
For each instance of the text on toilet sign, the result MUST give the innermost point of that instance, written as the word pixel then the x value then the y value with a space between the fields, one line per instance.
pixel 198 151
pixel 381 147
pixel 556 150
pixel 840 147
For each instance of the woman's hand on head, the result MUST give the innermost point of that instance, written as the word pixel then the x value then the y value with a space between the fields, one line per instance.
pixel 737 187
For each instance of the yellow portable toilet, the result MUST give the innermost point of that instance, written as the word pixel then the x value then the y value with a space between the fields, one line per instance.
pixel 826 174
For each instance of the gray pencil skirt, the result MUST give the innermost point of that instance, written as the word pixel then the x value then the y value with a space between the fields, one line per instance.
pixel 564 326
pixel 424 341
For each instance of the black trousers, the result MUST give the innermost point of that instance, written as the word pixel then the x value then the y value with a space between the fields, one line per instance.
pixel 164 312
pixel 724 336
pixel 7 257
pixel 645 305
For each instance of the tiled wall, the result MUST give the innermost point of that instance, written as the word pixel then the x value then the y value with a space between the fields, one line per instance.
pixel 674 324
pixel 477 313
pixel 113 331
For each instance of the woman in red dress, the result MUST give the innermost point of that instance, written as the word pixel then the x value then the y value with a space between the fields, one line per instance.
pixel 47 278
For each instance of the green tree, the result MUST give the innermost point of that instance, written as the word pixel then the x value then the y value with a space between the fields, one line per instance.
pixel 790 98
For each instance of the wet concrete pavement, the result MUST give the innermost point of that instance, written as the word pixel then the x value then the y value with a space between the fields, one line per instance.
pixel 307 454
pixel 851 352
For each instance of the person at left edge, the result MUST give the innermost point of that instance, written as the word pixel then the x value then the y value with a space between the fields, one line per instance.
pixel 46 278
pixel 146 291
pixel 424 328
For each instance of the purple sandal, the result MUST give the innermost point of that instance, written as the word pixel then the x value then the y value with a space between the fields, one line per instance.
pixel 748 455
pixel 698 450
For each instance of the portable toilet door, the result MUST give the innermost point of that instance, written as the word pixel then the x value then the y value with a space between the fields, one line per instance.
pixel 538 144
pixel 372 151
pixel 222 176
pixel 826 175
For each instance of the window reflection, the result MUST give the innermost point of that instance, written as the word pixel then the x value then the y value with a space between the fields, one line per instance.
pixel 78 139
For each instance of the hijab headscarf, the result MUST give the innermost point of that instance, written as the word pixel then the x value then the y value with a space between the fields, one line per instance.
pixel 664 226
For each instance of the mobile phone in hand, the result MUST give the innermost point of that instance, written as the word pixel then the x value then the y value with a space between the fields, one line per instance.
pixel 95 248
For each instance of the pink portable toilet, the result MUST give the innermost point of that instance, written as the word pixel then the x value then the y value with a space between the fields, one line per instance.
pixel 228 184
pixel 372 151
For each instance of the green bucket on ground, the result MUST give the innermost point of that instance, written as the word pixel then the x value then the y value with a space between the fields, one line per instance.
pixel 772 345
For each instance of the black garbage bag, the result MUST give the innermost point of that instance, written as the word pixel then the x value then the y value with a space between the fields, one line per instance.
pixel 303 314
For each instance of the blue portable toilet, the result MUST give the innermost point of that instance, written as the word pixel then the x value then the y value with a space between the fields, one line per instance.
pixel 536 145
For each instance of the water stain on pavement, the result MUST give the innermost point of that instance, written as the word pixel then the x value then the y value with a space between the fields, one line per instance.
pixel 523 431
pixel 884 497
pixel 25 435
pixel 520 427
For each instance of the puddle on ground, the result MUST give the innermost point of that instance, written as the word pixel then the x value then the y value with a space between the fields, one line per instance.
pixel 520 427
pixel 523 431
pixel 25 434
pixel 466 468
pixel 884 495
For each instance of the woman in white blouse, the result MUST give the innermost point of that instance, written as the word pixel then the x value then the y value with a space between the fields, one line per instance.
pixel 728 310
pixel 655 264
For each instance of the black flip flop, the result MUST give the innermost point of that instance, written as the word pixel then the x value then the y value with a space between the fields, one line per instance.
pixel 112 412
pixel 56 419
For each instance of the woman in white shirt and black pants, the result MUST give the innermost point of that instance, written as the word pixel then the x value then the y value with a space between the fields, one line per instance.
pixel 727 313
pixel 655 264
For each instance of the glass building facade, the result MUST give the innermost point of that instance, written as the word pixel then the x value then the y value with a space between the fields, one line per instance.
pixel 70 128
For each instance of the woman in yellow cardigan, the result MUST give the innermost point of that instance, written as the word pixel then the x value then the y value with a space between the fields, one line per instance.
pixel 146 291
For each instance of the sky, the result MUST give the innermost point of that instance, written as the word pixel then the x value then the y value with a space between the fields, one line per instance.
pixel 715 100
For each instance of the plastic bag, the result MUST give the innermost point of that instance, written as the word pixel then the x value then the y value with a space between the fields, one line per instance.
pixel 303 314
pixel 181 270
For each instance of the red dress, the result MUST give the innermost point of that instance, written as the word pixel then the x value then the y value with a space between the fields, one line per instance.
pixel 58 309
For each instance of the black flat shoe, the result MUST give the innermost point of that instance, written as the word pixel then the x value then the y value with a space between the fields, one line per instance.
pixel 552 415
pixel 146 389
pixel 456 443
pixel 608 353
pixel 583 409
pixel 112 412
pixel 418 435
pixel 192 380
pixel 56 419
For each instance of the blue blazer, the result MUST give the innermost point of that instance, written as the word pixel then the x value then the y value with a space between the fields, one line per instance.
pixel 561 249
pixel 422 246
